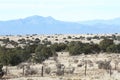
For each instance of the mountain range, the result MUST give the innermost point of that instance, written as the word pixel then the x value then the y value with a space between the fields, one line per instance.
pixel 48 25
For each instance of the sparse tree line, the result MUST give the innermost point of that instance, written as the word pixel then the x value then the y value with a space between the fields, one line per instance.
pixel 44 50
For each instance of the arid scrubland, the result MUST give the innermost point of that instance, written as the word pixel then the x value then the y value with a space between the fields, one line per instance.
pixel 72 68
pixel 64 66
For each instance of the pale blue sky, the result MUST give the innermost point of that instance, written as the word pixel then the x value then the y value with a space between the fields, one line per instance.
pixel 66 10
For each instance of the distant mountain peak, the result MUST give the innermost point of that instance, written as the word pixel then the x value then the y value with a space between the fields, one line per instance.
pixel 50 18
pixel 49 25
pixel 34 17
pixel 37 17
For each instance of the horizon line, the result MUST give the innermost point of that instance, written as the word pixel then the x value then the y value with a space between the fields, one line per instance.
pixel 57 19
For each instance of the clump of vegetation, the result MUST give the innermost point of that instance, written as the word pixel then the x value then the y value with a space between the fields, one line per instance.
pixel 42 51
pixel 1 71
pixel 30 71
pixel 60 69
pixel 104 65
pixel 48 70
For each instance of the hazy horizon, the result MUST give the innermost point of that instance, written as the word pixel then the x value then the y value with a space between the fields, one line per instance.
pixel 59 19
pixel 64 10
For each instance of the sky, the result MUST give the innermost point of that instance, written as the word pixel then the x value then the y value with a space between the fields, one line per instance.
pixel 65 10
